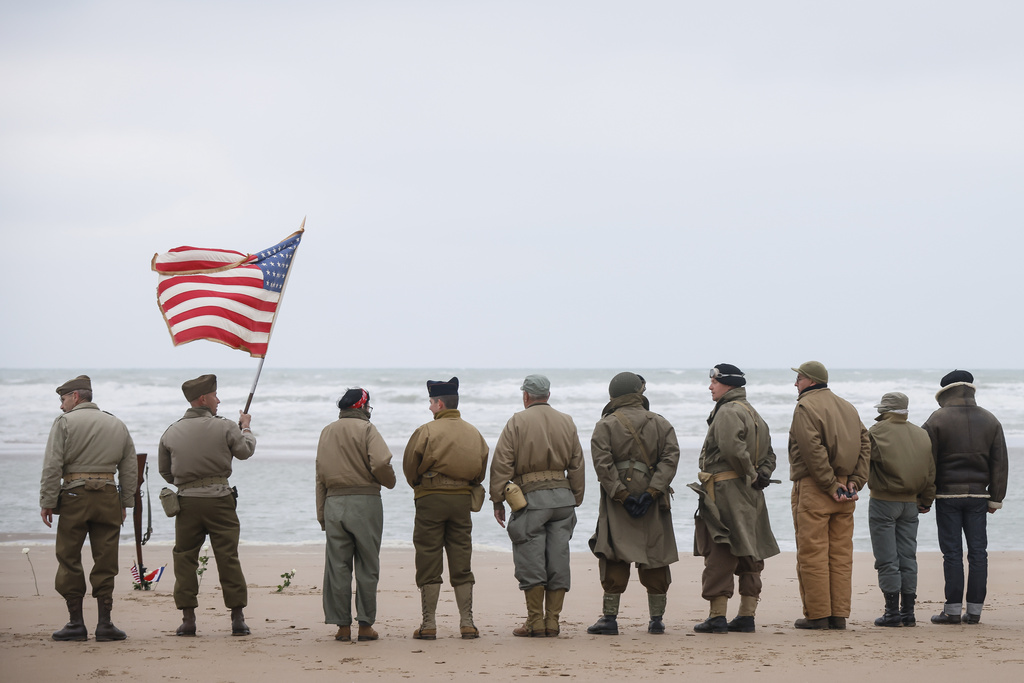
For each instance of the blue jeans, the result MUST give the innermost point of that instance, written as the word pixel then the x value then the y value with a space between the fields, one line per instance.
pixel 966 517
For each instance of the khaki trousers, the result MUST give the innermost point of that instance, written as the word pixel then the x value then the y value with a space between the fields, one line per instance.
pixel 443 525
pixel 96 514
pixel 720 565
pixel 824 550
pixel 198 518
pixel 354 528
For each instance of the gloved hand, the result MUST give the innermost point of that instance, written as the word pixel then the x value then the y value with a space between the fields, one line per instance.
pixel 643 504
pixel 630 504
pixel 655 493
pixel 762 481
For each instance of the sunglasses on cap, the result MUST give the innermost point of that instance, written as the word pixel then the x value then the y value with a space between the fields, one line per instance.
pixel 716 373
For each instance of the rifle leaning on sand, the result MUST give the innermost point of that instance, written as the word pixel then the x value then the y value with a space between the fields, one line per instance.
pixel 140 539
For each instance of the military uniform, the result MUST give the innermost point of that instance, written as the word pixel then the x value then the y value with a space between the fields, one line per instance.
pixel 443 462
pixel 829 449
pixel 732 530
pixel 635 454
pixel 539 450
pixel 85 448
pixel 352 463
pixel 195 455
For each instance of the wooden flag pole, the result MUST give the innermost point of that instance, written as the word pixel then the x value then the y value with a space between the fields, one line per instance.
pixel 280 304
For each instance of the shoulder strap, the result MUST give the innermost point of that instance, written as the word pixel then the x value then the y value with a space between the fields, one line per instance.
pixel 636 437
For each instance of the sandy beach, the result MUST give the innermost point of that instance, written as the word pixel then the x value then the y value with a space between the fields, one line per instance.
pixel 289 639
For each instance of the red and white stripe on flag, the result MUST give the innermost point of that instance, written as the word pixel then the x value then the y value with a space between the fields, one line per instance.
pixel 135 574
pixel 223 296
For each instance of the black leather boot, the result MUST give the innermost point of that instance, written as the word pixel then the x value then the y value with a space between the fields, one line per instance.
pixel 75 628
pixel 188 622
pixel 238 626
pixel 907 610
pixel 892 611
pixel 105 629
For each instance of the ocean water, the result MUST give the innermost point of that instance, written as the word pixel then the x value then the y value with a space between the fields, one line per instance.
pixel 276 487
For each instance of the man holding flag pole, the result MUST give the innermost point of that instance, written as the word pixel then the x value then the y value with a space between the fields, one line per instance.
pixel 231 298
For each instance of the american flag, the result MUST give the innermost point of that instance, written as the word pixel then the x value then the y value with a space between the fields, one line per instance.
pixel 224 296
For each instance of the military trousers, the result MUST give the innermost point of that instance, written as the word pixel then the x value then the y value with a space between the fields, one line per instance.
pixel 540 546
pixel 199 518
pixel 893 527
pixel 95 513
pixel 354 525
pixel 720 565
pixel 615 577
pixel 824 550
pixel 443 525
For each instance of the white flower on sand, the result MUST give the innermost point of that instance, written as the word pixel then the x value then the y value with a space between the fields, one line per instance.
pixel 206 548
pixel 24 551
pixel 293 572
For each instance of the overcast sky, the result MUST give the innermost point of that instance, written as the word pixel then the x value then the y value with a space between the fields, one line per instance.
pixel 522 184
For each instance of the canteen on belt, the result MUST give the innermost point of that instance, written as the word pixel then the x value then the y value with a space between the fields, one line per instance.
pixel 514 496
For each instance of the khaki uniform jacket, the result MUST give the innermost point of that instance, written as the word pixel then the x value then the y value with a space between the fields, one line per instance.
pixel 738 441
pixel 86 439
pixel 447 455
pixel 351 459
pixel 902 468
pixel 538 439
pixel 649 540
pixel 202 445
pixel 827 440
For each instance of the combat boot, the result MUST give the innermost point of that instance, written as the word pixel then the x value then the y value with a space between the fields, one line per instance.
pixel 428 603
pixel 534 625
pixel 553 601
pixel 75 628
pixel 464 599
pixel 366 632
pixel 656 603
pixel 907 610
pixel 743 622
pixel 188 622
pixel 715 623
pixel 105 629
pixel 606 625
pixel 892 611
pixel 238 625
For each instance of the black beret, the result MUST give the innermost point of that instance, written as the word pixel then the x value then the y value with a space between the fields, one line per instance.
pixel 442 388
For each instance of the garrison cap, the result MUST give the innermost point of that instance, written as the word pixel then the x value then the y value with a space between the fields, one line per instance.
pixel 200 386
pixel 812 369
pixel 536 385
pixel 442 388
pixel 80 383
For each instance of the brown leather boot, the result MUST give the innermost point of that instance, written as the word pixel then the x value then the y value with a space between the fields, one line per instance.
pixel 464 599
pixel 238 625
pixel 188 622
pixel 428 603
pixel 105 629
pixel 344 634
pixel 553 601
pixel 534 625
pixel 366 632
pixel 75 628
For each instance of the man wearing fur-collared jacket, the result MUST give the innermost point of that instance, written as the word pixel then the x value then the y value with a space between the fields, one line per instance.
pixel 970 482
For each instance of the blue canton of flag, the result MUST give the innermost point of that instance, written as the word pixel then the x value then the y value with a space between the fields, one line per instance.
pixel 274 262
